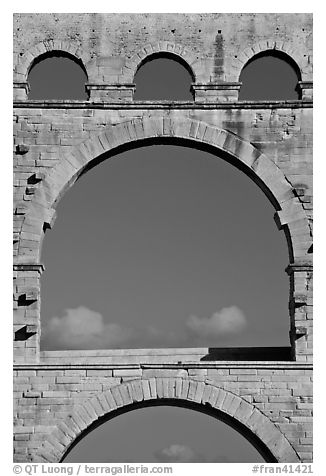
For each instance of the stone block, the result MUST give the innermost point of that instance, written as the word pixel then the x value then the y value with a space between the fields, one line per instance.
pixel 55 394
pixel 146 389
pixel 97 406
pixel 117 397
pixel 104 403
pixel 23 429
pixel 166 387
pixel 88 406
pixel 127 373
pixel 152 386
pixel 137 391
pixel 206 394
pixel 243 411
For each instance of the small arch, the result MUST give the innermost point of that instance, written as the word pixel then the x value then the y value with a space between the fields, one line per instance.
pixel 168 55
pixel 69 84
pixel 164 76
pixel 298 55
pixel 27 59
pixel 270 75
pixel 161 47
pixel 201 396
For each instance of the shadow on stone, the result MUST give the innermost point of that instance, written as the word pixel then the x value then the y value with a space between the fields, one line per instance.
pixel 248 353
pixel 24 333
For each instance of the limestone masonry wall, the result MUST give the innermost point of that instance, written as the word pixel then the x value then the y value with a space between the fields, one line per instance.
pixel 60 395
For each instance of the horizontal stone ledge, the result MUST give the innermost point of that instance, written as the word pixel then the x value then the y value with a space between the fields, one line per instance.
pixel 21 85
pixel 125 352
pixel 216 86
pixel 224 365
pixel 230 365
pixel 29 267
pixel 102 104
pixel 295 365
pixel 305 84
pixel 299 267
pixel 178 355
pixel 109 87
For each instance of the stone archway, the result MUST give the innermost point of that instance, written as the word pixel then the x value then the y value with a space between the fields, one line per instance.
pixel 285 47
pixel 27 60
pixel 207 394
pixel 41 211
pixel 161 47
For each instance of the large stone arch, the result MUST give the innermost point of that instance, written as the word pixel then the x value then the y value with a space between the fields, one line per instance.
pixel 285 47
pixel 175 49
pixel 206 394
pixel 41 211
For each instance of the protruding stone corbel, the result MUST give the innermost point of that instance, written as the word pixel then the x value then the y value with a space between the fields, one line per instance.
pixel 21 90
pixel 20 210
pixel 36 178
pixel 305 89
pixel 22 149
pixel 32 181
pixel 27 298
pixel 301 331
pixel 29 267
pixel 25 332
pixel 299 299
pixel 29 190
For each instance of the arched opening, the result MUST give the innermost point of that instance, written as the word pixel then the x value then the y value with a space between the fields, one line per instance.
pixel 160 249
pixel 171 431
pixel 269 75
pixel 163 76
pixel 57 75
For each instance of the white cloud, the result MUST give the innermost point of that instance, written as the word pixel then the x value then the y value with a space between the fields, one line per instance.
pixel 228 320
pixel 178 454
pixel 83 328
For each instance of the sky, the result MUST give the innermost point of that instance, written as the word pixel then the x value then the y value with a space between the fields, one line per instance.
pixel 175 248
pixel 163 246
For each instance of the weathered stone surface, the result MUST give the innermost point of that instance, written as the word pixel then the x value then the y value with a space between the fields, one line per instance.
pixel 58 395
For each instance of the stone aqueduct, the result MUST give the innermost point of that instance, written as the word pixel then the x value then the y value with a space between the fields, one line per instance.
pixel 61 395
